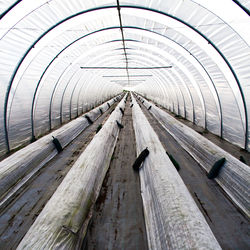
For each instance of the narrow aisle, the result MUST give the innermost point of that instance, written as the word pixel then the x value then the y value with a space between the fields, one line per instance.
pixel 229 226
pixel 118 221
pixel 19 215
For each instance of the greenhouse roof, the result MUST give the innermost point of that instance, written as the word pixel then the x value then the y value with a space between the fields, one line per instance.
pixel 59 58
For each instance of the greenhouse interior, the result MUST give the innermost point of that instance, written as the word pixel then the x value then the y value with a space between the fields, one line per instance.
pixel 124 124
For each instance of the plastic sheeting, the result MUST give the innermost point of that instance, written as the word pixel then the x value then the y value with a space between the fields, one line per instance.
pixel 173 220
pixel 44 44
pixel 62 224
pixel 15 170
pixel 234 177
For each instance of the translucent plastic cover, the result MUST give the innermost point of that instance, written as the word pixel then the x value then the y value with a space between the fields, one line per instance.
pixel 60 58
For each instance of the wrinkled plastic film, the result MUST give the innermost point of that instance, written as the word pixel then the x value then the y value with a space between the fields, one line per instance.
pixel 173 220
pixel 17 166
pixel 234 177
pixel 64 214
pixel 29 20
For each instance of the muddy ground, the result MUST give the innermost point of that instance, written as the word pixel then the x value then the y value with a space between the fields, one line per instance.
pixel 118 221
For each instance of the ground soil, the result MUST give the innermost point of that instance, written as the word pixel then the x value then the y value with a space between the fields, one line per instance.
pixel 118 221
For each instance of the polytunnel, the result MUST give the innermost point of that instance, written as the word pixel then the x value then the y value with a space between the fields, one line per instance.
pixel 124 124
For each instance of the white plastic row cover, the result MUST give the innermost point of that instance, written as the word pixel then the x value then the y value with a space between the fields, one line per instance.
pixel 234 177
pixel 62 224
pixel 173 220
pixel 34 156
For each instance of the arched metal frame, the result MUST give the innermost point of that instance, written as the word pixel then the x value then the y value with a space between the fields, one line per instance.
pixel 86 35
pixel 61 106
pixel 64 91
pixel 157 73
pixel 191 96
pixel 124 6
pixel 79 40
pixel 63 95
pixel 242 7
pixel 165 86
pixel 71 96
pixel 161 77
pixel 202 66
pixel 9 9
pixel 110 58
pixel 44 72
pixel 218 51
pixel 112 62
pixel 159 64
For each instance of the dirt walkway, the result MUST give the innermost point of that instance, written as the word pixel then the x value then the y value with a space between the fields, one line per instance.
pixel 118 221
